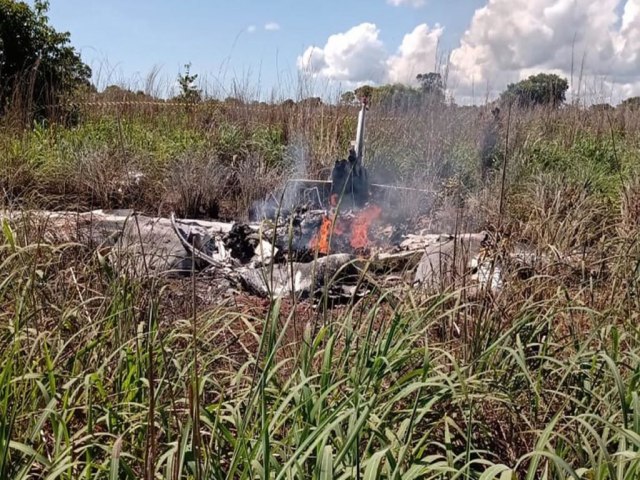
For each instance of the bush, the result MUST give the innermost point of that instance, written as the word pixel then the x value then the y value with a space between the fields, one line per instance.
pixel 196 184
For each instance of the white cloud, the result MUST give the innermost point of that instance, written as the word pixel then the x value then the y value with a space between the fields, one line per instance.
pixel 410 3
pixel 597 41
pixel 272 26
pixel 357 55
pixel 510 39
pixel 417 54
pixel 251 28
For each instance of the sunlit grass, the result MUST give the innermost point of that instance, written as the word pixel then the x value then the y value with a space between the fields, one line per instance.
pixel 102 377
pixel 109 376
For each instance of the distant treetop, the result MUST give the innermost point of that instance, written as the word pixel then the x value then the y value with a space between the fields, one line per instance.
pixel 430 92
pixel 543 89
pixel 631 103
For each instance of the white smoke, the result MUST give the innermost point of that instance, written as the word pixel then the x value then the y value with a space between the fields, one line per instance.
pixel 287 194
pixel 297 154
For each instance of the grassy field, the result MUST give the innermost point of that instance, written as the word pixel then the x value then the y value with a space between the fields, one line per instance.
pixel 109 376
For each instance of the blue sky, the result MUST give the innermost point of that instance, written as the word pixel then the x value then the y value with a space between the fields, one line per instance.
pixel 351 42
pixel 123 40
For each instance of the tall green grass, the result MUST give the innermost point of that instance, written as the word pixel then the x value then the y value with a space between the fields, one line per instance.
pixel 88 165
pixel 108 376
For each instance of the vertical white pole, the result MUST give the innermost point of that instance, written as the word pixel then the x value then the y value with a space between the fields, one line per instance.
pixel 360 134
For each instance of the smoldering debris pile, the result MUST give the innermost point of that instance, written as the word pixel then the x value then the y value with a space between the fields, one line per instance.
pixel 340 254
pixel 340 237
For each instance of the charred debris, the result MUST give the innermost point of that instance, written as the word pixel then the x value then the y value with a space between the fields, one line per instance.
pixel 340 236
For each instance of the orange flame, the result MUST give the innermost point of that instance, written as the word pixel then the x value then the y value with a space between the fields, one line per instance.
pixel 322 240
pixel 334 228
pixel 361 224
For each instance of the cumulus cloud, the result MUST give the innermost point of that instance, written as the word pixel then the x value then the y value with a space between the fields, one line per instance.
pixel 597 41
pixel 251 28
pixel 359 56
pixel 510 39
pixel 272 26
pixel 410 3
pixel 417 54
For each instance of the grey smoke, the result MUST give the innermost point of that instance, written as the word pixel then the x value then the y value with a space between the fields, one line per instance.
pixel 286 196
pixel 297 154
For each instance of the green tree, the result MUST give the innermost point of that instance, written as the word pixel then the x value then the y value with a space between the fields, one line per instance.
pixel 398 97
pixel 364 92
pixel 431 86
pixel 631 103
pixel 188 90
pixel 348 98
pixel 38 66
pixel 542 89
pixel 393 96
pixel 401 97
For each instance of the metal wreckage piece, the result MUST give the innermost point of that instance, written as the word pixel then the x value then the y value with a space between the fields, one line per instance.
pixel 349 183
pixel 251 257
pixel 349 178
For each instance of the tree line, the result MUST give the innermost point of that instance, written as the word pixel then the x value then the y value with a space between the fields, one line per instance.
pixel 542 89
pixel 40 68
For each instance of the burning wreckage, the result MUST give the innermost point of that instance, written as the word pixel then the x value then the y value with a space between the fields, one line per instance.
pixel 343 243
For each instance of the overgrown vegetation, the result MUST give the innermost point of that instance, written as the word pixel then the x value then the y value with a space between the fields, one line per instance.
pixel 106 375
pixel 121 377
